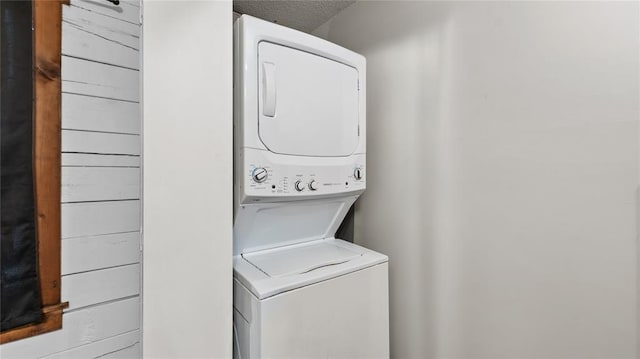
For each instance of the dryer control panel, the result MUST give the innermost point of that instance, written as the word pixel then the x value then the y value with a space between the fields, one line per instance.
pixel 268 176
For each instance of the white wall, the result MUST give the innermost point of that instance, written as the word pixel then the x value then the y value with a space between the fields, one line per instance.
pixel 100 201
pixel 502 164
pixel 187 130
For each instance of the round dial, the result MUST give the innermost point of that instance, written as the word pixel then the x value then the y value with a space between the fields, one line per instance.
pixel 259 174
pixel 357 174
pixel 313 185
pixel 299 186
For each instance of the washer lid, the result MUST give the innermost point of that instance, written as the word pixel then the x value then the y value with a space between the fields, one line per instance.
pixel 281 262
pixel 273 271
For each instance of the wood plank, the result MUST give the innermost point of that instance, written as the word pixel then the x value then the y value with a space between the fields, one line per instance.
pixel 92 36
pixel 82 184
pixel 134 351
pixel 80 327
pixel 96 218
pixel 128 10
pixel 96 79
pixel 105 27
pixel 100 348
pixel 99 286
pixel 91 253
pixel 87 45
pixel 99 142
pixel 46 153
pixel 93 160
pixel 99 114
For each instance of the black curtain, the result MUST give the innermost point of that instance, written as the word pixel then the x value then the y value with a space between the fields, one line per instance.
pixel 20 299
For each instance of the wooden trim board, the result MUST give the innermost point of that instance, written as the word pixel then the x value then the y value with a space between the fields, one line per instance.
pixel 52 320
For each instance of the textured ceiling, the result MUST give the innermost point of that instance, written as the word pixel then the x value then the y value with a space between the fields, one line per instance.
pixel 304 15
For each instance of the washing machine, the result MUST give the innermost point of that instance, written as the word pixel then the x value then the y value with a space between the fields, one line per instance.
pixel 299 165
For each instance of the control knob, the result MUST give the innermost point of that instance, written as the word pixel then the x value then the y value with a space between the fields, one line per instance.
pixel 357 174
pixel 299 186
pixel 259 174
pixel 313 185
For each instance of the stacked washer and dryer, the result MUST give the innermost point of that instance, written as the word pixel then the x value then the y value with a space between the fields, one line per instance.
pixel 299 162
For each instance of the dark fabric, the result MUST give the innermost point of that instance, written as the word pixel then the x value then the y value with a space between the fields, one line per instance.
pixel 20 299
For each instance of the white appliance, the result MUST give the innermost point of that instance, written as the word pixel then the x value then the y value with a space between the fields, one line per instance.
pixel 299 131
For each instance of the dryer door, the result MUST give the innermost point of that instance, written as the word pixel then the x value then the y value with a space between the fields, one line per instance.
pixel 308 104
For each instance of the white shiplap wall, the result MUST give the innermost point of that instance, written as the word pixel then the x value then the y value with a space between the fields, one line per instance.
pixel 100 186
